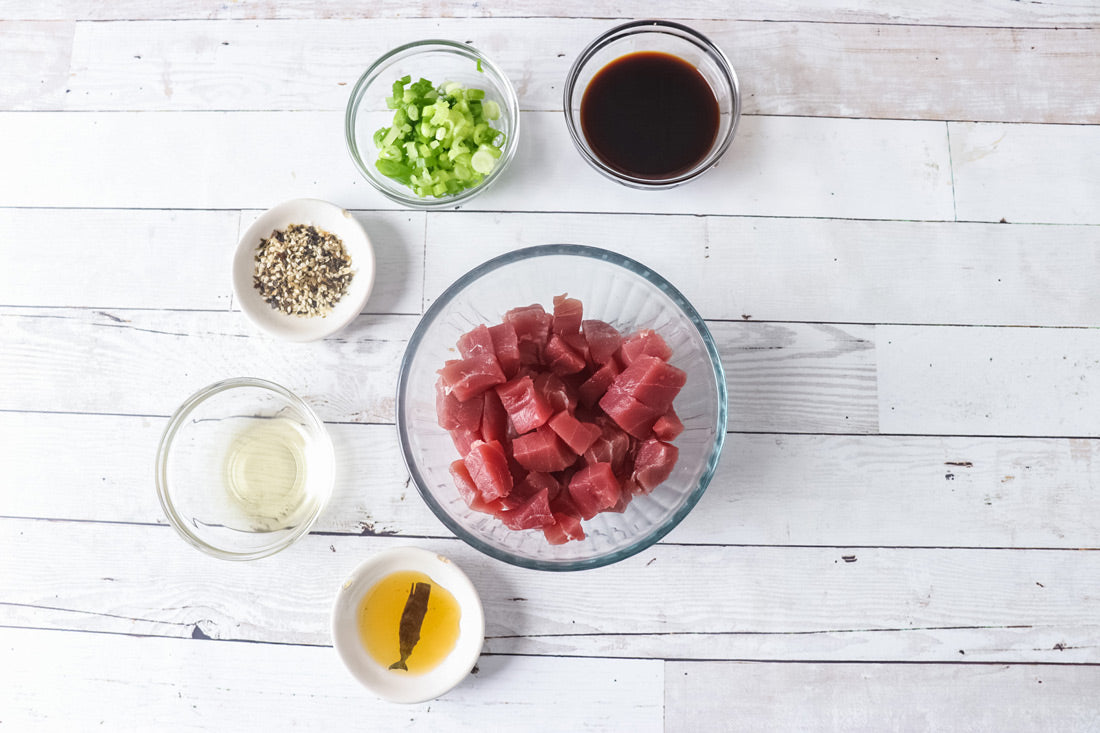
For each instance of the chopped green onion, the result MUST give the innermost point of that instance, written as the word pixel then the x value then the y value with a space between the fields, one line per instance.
pixel 440 142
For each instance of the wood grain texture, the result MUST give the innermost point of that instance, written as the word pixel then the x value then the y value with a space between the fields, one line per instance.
pixel 1027 173
pixel 132 683
pixel 886 604
pixel 805 69
pixel 876 697
pixel 1004 381
pixel 34 63
pixel 1054 13
pixel 777 166
pixel 781 490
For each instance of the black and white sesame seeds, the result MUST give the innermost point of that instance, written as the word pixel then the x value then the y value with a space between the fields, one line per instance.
pixel 302 270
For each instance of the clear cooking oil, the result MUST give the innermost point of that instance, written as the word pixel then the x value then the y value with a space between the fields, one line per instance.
pixel 267 472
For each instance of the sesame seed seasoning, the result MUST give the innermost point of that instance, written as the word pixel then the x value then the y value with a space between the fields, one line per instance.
pixel 302 271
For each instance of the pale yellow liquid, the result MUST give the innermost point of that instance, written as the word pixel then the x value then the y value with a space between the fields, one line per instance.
pixel 266 472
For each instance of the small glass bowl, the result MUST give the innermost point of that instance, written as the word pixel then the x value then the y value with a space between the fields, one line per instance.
pixel 244 469
pixel 612 288
pixel 438 61
pixel 664 37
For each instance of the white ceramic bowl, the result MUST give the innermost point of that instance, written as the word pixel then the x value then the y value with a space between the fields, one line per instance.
pixel 322 215
pixel 397 687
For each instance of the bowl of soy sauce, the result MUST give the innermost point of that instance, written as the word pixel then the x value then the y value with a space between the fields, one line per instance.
pixel 652 104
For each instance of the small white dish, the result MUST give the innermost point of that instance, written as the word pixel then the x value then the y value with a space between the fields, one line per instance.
pixel 322 215
pixel 394 686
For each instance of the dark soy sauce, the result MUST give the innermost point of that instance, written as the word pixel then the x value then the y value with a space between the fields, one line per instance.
pixel 649 115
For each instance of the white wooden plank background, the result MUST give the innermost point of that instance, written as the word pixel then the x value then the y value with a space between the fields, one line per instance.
pixel 896 259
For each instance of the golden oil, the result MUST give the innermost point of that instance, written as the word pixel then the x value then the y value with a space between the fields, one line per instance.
pixel 379 620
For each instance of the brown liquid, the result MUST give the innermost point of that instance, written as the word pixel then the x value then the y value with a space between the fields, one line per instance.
pixel 649 115
pixel 379 620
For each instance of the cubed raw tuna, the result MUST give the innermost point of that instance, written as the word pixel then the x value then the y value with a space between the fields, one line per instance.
pixel 555 391
pixel 478 341
pixel 506 347
pixel 533 513
pixel 644 342
pixel 542 450
pixel 603 340
pixel 566 527
pixel 469 493
pixel 452 413
pixel 613 446
pixel 468 378
pixel 464 438
pixel 632 416
pixel 532 324
pixel 527 408
pixel 563 503
pixel 651 381
pixel 534 482
pixel 494 418
pixel 668 426
pixel 488 468
pixel 577 435
pixel 596 386
pixel 561 358
pixel 567 315
pixel 653 463
pixel 594 488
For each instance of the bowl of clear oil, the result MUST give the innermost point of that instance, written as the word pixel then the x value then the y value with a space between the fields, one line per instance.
pixel 244 469
pixel 408 624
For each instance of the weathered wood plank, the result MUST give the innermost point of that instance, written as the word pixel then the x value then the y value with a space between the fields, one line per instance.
pixel 1001 381
pixel 876 697
pixel 776 603
pixel 130 683
pixel 777 166
pixel 837 490
pixel 1054 13
pixel 34 63
pixel 1026 173
pixel 810 69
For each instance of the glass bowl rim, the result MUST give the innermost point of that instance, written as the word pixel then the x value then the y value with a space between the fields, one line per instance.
pixel 164 448
pixel 579 250
pixel 511 105
pixel 664 27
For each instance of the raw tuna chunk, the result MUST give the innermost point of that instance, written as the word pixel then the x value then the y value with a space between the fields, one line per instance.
pixel 594 388
pixel 642 343
pixel 613 446
pixel 556 393
pixel 603 340
pixel 631 415
pixel 594 488
pixel 475 342
pixel 469 493
pixel 562 359
pixel 577 435
pixel 506 347
pixel 668 426
pixel 489 470
pixel 567 315
pixel 464 439
pixel 651 381
pixel 533 483
pixel 533 513
pixel 452 413
pixel 532 324
pixel 527 408
pixel 470 377
pixel 563 503
pixel 565 527
pixel 542 450
pixel 494 418
pixel 653 463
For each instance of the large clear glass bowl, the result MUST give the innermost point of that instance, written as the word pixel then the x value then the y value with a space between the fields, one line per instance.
pixel 613 288
pixel 438 61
